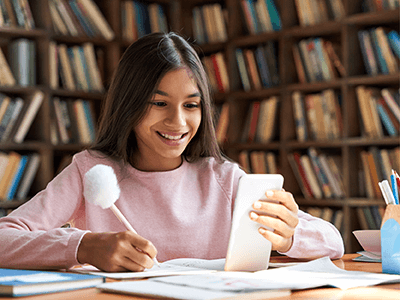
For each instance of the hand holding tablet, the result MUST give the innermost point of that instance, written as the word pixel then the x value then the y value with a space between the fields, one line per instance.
pixel 248 250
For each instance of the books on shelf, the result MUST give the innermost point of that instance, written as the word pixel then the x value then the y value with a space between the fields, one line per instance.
pixel 258 162
pixel 17 115
pixel 378 51
pixel 139 18
pixel 380 113
pixel 258 68
pixel 16 14
pixel 312 12
pixel 74 121
pixel 77 67
pixel 216 69
pixel 209 24
pixel 317 116
pixel 17 173
pixel 375 166
pixel 379 5
pixel 316 60
pixel 317 174
pixel 260 16
pixel 6 75
pixel 261 120
pixel 79 18
pixel 17 283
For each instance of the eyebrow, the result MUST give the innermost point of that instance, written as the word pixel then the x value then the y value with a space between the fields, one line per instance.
pixel 194 95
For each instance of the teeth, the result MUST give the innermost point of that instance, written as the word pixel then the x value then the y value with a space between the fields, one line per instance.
pixel 170 137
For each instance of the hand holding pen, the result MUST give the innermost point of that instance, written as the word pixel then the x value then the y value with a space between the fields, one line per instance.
pixel 101 188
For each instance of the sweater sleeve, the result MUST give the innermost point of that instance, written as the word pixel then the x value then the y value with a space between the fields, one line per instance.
pixel 315 237
pixel 31 237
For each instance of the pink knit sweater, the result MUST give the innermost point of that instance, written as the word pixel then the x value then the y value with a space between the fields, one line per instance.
pixel 185 212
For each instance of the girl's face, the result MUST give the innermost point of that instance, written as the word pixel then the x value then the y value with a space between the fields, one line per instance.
pixel 171 122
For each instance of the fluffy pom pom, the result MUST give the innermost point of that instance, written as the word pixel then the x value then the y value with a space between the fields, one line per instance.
pixel 101 186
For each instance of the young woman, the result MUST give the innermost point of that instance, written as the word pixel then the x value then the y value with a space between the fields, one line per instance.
pixel 177 190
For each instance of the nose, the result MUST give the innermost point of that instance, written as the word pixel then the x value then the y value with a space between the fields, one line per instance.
pixel 176 117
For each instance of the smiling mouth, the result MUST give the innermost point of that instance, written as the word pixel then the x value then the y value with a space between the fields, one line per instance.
pixel 172 137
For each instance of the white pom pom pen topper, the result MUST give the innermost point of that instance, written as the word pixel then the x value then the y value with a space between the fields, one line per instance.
pixel 101 188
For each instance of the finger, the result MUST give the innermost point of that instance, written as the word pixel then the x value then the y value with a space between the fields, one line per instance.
pixel 284 198
pixel 138 262
pixel 278 242
pixel 277 210
pixel 141 243
pixel 278 225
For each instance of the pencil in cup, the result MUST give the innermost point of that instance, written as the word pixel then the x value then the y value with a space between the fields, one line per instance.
pixel 394 188
pixel 128 226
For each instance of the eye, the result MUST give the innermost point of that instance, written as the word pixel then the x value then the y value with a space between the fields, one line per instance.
pixel 192 105
pixel 158 103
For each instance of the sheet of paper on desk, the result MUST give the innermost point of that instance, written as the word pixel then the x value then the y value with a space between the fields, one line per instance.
pixel 180 266
pixel 317 273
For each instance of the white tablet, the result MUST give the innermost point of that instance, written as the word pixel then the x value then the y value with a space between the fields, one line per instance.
pixel 248 250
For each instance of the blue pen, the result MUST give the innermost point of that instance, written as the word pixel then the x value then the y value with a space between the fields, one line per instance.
pixel 394 188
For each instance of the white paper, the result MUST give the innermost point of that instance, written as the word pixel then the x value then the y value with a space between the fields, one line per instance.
pixel 180 266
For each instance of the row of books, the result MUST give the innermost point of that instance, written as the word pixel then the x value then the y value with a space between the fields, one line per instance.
pixel 370 217
pixel 317 116
pixel 76 66
pixel 379 5
pixel 380 50
pixel 318 174
pixel 317 60
pixel 328 214
pixel 17 115
pixel 21 68
pixel 258 162
pixel 217 72
pixel 379 110
pixel 261 16
pixel 261 121
pixel 17 172
pixel 74 121
pixel 311 12
pixel 376 165
pixel 258 68
pixel 139 18
pixel 16 14
pixel 209 23
pixel 79 18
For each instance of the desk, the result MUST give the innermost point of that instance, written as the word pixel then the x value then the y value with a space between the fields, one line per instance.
pixel 391 291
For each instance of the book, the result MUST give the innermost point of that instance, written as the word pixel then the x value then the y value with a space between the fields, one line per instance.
pixel 267 119
pixel 244 76
pixel 299 116
pixel 33 107
pixel 12 188
pixel 17 108
pixel 300 175
pixel 6 75
pixel 28 176
pixel 223 123
pixel 252 69
pixel 17 283
pixel 12 165
pixel 98 19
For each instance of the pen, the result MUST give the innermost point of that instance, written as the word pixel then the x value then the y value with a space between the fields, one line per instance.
pixel 128 225
pixel 397 178
pixel 385 197
pixel 394 187
pixel 388 191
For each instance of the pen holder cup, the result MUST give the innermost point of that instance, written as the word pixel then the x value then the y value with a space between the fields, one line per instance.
pixel 390 240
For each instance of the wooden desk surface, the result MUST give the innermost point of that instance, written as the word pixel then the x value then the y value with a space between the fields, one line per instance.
pixel 390 291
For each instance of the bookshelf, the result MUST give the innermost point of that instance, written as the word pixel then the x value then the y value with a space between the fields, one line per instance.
pixel 340 31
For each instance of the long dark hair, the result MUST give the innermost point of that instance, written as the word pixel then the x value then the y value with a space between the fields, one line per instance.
pixel 139 72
